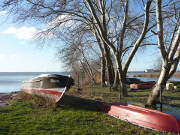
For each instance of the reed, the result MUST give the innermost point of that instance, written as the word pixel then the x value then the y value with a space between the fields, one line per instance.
pixel 155 75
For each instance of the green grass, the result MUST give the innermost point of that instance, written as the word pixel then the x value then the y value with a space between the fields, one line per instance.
pixel 75 115
pixel 104 94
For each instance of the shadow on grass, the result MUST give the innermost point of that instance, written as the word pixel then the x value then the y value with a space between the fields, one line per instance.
pixel 80 103
pixel 171 98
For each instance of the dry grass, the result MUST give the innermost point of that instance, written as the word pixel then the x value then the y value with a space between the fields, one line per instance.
pixel 155 75
pixel 177 75
pixel 37 100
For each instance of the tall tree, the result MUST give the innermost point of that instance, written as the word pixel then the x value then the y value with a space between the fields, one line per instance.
pixel 117 23
pixel 169 47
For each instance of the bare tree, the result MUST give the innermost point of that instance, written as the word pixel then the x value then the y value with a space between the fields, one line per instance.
pixel 117 24
pixel 169 47
pixel 75 54
pixel 157 65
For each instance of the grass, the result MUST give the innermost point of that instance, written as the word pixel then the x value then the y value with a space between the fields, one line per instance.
pixel 103 94
pixel 75 114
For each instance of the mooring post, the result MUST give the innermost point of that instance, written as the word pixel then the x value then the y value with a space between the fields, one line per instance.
pixel 78 83
pixel 161 98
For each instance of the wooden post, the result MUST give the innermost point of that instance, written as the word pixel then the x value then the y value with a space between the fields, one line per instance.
pixel 161 98
pixel 78 83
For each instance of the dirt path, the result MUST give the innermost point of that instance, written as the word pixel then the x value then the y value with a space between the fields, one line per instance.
pixel 6 97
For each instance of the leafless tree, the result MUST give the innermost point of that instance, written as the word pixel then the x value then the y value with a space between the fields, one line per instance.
pixel 169 46
pixel 118 25
pixel 75 54
pixel 157 64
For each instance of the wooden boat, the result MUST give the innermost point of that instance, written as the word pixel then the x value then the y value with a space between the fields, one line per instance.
pixel 146 85
pixel 144 117
pixel 50 86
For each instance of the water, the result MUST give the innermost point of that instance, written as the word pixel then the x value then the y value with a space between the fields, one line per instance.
pixel 147 79
pixel 174 111
pixel 12 81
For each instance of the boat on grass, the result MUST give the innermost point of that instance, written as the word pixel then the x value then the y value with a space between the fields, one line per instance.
pixel 144 117
pixel 145 85
pixel 50 86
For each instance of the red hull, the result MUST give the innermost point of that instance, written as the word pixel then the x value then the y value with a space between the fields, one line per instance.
pixel 54 96
pixel 143 117
pixel 142 85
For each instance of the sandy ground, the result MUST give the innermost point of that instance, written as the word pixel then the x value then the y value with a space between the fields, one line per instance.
pixel 6 97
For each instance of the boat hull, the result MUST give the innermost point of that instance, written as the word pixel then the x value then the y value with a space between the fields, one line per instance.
pixel 143 117
pixel 146 85
pixel 50 86
pixel 48 94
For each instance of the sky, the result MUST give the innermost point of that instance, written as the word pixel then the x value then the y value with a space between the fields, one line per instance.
pixel 18 53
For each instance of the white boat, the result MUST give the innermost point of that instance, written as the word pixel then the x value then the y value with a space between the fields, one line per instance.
pixel 50 86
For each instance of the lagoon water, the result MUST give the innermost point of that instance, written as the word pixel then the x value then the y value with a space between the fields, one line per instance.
pixel 12 81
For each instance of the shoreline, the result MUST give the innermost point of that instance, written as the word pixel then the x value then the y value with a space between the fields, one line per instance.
pixel 6 97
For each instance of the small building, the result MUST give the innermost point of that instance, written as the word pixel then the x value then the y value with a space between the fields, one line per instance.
pixel 149 70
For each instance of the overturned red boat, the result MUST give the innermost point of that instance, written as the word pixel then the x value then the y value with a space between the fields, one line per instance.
pixel 50 86
pixel 143 117
pixel 145 85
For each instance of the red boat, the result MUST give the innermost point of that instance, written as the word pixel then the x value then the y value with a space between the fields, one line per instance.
pixel 50 86
pixel 144 117
pixel 146 85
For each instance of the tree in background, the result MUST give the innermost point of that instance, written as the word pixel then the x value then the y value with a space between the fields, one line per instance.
pixel 157 65
pixel 168 36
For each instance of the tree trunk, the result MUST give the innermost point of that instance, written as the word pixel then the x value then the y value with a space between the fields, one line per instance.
pixel 123 88
pixel 103 71
pixel 109 66
pixel 161 84
pixel 116 81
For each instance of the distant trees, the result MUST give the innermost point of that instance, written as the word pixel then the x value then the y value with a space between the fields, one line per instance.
pixel 157 64
pixel 168 36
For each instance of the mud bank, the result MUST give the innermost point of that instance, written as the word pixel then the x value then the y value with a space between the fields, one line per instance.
pixel 6 97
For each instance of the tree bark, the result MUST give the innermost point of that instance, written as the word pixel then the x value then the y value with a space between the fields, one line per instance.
pixel 161 84
pixel 170 61
pixel 103 71
pixel 116 81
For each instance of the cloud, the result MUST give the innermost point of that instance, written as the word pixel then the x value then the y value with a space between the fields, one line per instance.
pixel 2 55
pixel 23 33
pixel 15 56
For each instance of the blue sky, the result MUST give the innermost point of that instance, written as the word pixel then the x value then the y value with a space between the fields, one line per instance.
pixel 19 54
